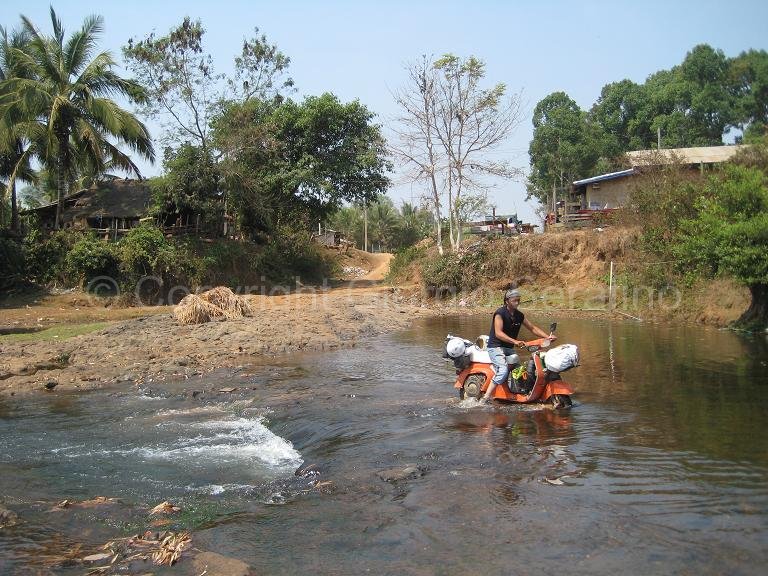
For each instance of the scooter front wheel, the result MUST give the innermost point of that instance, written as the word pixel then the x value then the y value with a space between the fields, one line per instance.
pixel 561 401
pixel 473 386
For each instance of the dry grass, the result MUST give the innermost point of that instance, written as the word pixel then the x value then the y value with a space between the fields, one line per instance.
pixel 194 310
pixel 231 304
pixel 567 257
pixel 219 302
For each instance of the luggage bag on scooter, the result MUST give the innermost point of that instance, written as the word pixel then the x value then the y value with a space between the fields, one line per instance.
pixel 561 358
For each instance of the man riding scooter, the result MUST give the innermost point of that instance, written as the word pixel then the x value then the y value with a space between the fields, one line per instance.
pixel 502 338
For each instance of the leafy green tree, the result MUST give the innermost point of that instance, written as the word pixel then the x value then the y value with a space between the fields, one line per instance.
pixel 749 85
pixel 729 235
pixel 329 152
pixel 389 228
pixel 415 225
pixel 289 161
pixel 349 221
pixel 564 146
pixel 14 151
pixel 692 104
pixel 62 93
pixel 190 185
pixel 617 112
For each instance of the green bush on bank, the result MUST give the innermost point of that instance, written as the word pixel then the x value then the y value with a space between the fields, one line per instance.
pixel 89 258
pixel 45 257
pixel 291 254
pixel 69 258
pixel 402 259
pixel 453 273
pixel 11 261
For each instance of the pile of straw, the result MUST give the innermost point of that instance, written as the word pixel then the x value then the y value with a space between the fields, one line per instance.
pixel 219 302
pixel 232 305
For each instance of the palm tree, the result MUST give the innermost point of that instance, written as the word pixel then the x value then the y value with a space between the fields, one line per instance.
pixel 14 157
pixel 61 88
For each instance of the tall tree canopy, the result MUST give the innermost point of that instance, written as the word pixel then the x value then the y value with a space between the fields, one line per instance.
pixel 60 100
pixel 563 146
pixel 185 92
pixel 302 160
pixel 14 149
pixel 449 129
pixel 695 103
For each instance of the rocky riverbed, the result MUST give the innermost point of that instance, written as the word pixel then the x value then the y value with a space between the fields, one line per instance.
pixel 156 347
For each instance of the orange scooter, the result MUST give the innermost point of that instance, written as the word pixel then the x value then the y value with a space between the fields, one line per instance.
pixel 534 383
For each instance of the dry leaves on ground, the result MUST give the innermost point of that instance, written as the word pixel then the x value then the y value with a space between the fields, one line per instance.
pixel 164 508
pixel 164 548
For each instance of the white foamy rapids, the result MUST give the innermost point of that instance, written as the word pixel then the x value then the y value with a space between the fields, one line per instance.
pixel 239 439
pixel 237 442
pixel 216 489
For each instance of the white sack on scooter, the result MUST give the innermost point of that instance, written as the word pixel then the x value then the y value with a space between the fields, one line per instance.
pixel 561 358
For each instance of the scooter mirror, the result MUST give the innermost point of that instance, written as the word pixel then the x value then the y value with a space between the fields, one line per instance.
pixel 552 327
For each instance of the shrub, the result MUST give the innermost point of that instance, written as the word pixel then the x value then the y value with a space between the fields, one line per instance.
pixel 46 257
pixel 90 257
pixel 290 254
pixel 12 262
pixel 442 274
pixel 404 258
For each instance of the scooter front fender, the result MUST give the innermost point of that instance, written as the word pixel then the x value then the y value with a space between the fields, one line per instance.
pixel 557 387
pixel 485 369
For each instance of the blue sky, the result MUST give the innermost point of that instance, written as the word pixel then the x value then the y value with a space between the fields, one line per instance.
pixel 359 49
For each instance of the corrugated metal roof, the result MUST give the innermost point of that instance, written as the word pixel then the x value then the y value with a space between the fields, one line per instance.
pixel 603 177
pixel 702 154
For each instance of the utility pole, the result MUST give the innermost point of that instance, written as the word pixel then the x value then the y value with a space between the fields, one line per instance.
pixel 365 228
pixel 658 138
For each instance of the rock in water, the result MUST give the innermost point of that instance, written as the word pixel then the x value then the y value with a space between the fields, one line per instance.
pixel 212 564
pixel 8 518
pixel 398 474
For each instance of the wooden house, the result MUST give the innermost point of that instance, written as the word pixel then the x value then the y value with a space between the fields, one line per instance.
pixel 110 207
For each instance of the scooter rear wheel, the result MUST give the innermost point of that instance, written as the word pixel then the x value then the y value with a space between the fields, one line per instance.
pixel 472 386
pixel 561 401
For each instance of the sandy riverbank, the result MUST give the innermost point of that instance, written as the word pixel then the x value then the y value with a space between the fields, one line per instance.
pixel 153 346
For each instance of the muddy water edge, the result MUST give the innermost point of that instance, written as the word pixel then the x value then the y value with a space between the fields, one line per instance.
pixel 660 467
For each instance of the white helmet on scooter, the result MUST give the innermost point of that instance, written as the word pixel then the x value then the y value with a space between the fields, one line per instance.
pixel 456 347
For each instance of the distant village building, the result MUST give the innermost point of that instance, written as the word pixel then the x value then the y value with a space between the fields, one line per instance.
pixel 612 190
pixel 602 194
pixel 109 207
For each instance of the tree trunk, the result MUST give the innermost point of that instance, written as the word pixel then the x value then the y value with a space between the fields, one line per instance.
pixel 61 168
pixel 755 318
pixel 438 227
pixel 14 209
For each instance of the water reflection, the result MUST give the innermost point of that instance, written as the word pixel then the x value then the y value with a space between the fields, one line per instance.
pixel 686 387
pixel 661 464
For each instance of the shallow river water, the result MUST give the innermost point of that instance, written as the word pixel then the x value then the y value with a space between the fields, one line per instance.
pixel 660 467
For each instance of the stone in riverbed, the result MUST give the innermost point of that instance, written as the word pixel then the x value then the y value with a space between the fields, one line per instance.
pixel 8 518
pixel 212 564
pixel 398 474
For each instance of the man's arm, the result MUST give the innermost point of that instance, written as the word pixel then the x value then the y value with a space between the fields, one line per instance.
pixel 536 330
pixel 498 327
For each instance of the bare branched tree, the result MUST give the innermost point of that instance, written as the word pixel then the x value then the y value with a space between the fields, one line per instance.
pixel 449 131
pixel 418 147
